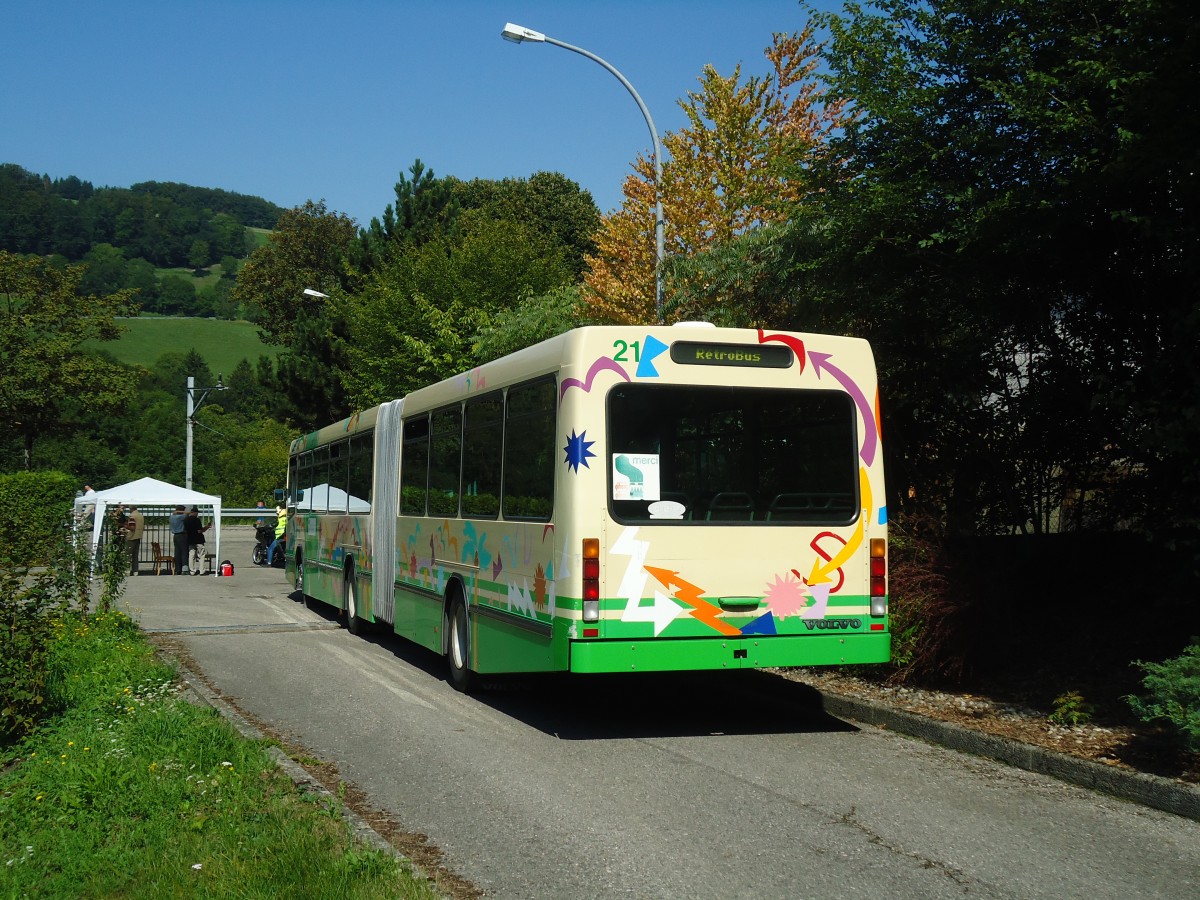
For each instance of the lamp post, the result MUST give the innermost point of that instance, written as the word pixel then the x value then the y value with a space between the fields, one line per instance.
pixel 519 34
pixel 193 406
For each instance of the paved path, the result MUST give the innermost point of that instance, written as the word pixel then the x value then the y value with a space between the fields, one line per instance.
pixel 258 599
pixel 682 786
pixel 253 598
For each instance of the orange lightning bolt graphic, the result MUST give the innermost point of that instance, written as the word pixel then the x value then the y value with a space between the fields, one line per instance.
pixel 690 594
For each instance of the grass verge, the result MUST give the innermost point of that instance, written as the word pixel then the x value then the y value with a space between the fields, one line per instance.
pixel 132 791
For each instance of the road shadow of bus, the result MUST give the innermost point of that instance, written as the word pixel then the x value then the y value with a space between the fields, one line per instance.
pixel 631 705
pixel 661 704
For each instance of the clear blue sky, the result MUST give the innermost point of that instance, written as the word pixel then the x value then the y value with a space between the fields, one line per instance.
pixel 331 99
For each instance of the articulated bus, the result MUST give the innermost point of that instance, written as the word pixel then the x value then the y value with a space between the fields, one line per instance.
pixel 614 499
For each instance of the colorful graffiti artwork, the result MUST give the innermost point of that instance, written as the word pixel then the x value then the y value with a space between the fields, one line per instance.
pixel 790 594
pixel 521 577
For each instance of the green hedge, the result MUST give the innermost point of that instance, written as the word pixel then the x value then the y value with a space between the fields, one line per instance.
pixel 34 509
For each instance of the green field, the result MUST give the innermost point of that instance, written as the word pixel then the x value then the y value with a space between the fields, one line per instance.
pixel 259 236
pixel 223 344
pixel 208 280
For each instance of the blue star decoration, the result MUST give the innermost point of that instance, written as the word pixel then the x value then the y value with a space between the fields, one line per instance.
pixel 577 450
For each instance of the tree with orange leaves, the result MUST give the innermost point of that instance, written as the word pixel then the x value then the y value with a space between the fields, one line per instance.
pixel 736 166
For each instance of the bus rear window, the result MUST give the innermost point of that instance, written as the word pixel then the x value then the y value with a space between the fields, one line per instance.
pixel 723 455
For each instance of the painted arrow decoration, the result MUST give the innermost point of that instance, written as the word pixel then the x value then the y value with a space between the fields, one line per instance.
pixel 821 363
pixel 662 612
pixel 820 572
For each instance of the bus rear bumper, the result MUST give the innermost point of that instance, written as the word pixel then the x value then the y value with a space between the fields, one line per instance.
pixel 750 652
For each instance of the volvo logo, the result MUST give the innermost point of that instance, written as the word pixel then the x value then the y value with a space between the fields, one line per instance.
pixel 832 624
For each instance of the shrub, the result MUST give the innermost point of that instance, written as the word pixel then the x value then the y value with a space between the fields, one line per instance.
pixel 923 615
pixel 112 561
pixel 32 606
pixel 1174 695
pixel 30 610
pixel 34 508
pixel 1071 709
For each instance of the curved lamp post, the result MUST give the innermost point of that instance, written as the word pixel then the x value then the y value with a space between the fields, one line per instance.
pixel 519 34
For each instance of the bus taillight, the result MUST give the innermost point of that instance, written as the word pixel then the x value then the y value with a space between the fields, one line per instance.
pixel 591 579
pixel 878 577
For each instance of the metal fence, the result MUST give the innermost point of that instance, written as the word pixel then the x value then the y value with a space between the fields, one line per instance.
pixel 156 537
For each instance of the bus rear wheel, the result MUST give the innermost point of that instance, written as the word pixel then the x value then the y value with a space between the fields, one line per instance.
pixel 459 654
pixel 353 623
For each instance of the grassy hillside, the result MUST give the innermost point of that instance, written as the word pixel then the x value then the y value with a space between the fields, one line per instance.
pixel 208 280
pixel 223 344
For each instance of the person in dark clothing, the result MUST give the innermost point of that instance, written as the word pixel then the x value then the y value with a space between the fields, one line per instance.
pixel 195 538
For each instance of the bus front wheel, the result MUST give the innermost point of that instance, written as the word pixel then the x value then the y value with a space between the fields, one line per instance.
pixel 459 653
pixel 300 595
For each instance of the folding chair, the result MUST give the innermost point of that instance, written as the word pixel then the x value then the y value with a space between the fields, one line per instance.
pixel 161 558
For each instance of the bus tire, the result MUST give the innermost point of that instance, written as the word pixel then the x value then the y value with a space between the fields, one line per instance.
pixel 300 595
pixel 458 650
pixel 353 623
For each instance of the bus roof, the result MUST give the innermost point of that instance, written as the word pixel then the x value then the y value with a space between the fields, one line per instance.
pixel 566 348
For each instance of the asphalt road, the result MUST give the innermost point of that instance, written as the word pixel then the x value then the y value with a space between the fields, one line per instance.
pixel 675 786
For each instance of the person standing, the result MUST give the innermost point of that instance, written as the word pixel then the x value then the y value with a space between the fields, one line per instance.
pixel 135 527
pixel 280 529
pixel 179 538
pixel 195 538
pixel 87 514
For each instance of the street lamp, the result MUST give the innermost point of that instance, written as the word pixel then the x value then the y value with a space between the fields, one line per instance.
pixel 193 406
pixel 519 34
pixel 311 293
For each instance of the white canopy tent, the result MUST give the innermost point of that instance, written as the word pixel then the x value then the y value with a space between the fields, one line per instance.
pixel 149 492
pixel 326 496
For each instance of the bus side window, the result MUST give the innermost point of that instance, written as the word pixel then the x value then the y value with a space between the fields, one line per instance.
pixel 339 471
pixel 530 451
pixel 414 467
pixel 445 461
pixel 318 486
pixel 362 472
pixel 483 430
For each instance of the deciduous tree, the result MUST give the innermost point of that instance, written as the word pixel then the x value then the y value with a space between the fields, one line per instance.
pixel 309 248
pixel 534 318
pixel 730 170
pixel 414 321
pixel 548 202
pixel 44 323
pixel 1010 218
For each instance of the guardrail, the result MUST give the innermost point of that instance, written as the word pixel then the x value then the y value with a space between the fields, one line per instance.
pixel 254 512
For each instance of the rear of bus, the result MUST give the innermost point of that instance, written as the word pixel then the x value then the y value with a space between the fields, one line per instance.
pixel 724 492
